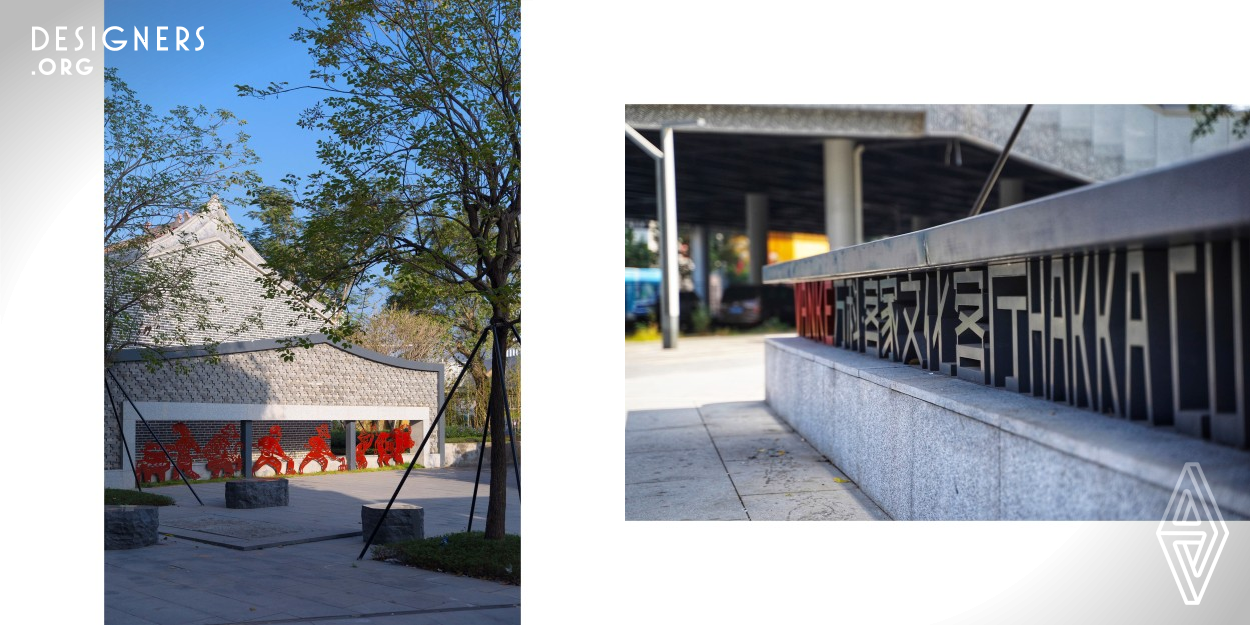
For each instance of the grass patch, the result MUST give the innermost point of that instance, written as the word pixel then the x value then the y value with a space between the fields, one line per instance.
pixel 460 433
pixel 213 480
pixel 127 497
pixel 468 554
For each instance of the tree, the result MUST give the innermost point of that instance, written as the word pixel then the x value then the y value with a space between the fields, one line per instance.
pixel 1207 115
pixel 423 170
pixel 465 314
pixel 403 334
pixel 157 169
pixel 638 253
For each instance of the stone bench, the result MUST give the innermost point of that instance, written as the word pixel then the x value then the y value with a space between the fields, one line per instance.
pixel 129 527
pixel 257 492
pixel 403 522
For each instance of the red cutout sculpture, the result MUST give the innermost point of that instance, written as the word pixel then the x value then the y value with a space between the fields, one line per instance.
pixel 385 448
pixel 319 451
pixel 153 465
pixel 185 450
pixel 401 442
pixel 223 452
pixel 364 441
pixel 392 445
pixel 271 454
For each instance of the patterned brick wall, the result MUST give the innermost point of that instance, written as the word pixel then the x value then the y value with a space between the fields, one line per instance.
pixel 321 375
pixel 237 303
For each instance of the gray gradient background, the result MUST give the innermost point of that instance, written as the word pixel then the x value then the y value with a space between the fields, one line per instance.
pixel 1115 572
pixel 51 188
pixel 51 293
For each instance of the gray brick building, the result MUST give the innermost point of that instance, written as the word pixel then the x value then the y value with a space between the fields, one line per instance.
pixel 251 378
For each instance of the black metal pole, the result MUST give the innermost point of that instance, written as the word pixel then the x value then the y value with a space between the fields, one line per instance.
pixel 998 165
pixel 153 435
pixel 481 455
pixel 503 373
pixel 433 426
pixel 121 433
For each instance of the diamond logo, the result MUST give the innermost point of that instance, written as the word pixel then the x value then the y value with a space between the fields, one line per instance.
pixel 1192 533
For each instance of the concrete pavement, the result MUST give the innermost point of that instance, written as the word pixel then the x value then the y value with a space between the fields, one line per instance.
pixel 701 444
pixel 215 565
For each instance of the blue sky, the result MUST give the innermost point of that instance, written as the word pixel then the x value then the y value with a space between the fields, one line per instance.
pixel 246 42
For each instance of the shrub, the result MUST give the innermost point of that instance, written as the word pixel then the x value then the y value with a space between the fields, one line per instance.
pixel 127 497
pixel 461 553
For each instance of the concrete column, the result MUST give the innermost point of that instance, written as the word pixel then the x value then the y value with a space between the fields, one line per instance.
pixel 349 445
pixel 842 213
pixel 1010 192
pixel 757 234
pixel 698 253
pixel 245 446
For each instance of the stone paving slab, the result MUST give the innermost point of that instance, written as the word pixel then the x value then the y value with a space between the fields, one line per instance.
pixel 666 466
pixel 769 445
pixel 651 419
pixel 667 439
pixel 705 398
pixel 748 427
pixel 188 583
pixel 843 505
pixel 324 507
pixel 740 411
pixel 778 476
pixel 704 499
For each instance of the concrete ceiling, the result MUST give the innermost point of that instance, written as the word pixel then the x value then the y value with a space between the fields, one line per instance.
pixel 936 179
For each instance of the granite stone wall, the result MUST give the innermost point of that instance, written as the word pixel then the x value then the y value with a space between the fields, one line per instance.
pixel 930 446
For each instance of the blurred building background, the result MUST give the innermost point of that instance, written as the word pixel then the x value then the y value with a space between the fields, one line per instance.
pixel 790 181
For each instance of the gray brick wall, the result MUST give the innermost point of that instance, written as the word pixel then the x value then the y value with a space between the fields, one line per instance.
pixel 236 301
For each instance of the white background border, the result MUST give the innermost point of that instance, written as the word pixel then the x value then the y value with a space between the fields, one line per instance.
pixel 582 63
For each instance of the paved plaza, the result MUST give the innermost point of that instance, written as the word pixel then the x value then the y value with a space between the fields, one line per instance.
pixel 701 444
pixel 297 563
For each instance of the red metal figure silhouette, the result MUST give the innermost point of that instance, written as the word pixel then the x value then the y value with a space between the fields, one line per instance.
pixel 364 441
pixel 271 454
pixel 401 441
pixel 153 465
pixel 319 451
pixel 385 447
pixel 223 452
pixel 185 450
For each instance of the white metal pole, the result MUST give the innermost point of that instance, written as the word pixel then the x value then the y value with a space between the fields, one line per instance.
pixel 670 281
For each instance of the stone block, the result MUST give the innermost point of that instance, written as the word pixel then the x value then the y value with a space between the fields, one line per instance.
pixel 129 527
pixel 926 446
pixel 882 447
pixel 403 522
pixel 1041 483
pixel 257 492
pixel 955 470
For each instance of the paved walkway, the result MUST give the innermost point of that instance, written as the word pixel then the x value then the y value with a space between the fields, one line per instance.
pixel 701 444
pixel 242 575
